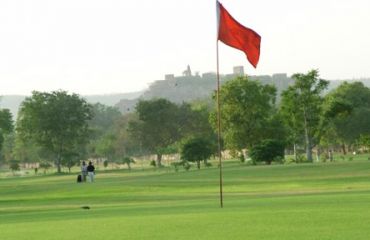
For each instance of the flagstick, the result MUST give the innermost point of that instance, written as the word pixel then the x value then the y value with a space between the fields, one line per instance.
pixel 219 127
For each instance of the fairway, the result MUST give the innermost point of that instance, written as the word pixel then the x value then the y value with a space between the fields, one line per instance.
pixel 306 201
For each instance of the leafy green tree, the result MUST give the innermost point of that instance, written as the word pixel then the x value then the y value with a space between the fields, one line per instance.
pixel 194 121
pixel 267 150
pixel 364 140
pixel 6 121
pixel 197 150
pixel 7 151
pixel 26 150
pixel 70 160
pixel 57 121
pixel 103 117
pixel 349 111
pixel 246 106
pixel 157 127
pixel 124 144
pixel 106 147
pixel 102 123
pixel 6 126
pixel 301 104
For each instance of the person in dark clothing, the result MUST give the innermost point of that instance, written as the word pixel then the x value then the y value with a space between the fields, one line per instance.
pixel 91 171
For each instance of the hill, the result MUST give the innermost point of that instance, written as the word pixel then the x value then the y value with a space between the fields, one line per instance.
pixel 195 87
pixel 177 89
pixel 13 102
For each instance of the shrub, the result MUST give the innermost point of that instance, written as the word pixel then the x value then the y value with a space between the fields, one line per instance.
pixel 153 163
pixel 175 165
pixel 186 165
pixel 241 158
pixel 301 158
pixel 14 166
pixel 45 166
pixel 128 161
pixel 207 164
pixel 267 151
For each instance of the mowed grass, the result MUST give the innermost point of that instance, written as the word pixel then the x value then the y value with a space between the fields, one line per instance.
pixel 307 201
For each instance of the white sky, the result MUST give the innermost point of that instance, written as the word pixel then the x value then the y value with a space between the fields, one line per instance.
pixel 111 46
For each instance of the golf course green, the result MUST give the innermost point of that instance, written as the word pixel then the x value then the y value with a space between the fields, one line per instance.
pixel 299 201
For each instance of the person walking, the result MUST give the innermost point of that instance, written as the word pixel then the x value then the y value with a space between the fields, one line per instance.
pixel 84 171
pixel 91 171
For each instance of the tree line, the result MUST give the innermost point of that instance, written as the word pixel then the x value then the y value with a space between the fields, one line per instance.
pixel 61 129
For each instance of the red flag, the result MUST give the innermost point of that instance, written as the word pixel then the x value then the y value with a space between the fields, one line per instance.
pixel 235 35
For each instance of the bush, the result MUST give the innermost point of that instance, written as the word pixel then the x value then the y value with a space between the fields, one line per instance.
pixel 128 161
pixel 207 164
pixel 279 159
pixel 153 163
pixel 241 158
pixel 186 165
pixel 289 160
pixel 176 165
pixel 105 163
pixel 267 151
pixel 301 158
pixel 14 166
pixel 45 166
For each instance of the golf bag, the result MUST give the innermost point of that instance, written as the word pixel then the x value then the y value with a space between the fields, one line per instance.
pixel 79 178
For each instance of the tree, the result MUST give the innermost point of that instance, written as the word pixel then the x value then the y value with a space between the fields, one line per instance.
pixel 6 125
pixel 124 144
pixel 7 150
pixel 348 114
pixel 197 150
pixel 57 121
pixel 106 147
pixel 267 151
pixel 246 106
pixel 101 125
pixel 25 150
pixel 6 121
pixel 158 126
pixel 194 121
pixel 69 160
pixel 103 117
pixel 364 140
pixel 302 106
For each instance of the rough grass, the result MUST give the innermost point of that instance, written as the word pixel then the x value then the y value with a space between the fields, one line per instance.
pixel 307 201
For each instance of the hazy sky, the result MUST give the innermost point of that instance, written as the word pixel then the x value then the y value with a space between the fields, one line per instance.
pixel 111 46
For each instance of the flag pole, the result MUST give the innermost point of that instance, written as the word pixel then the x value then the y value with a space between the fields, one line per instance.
pixel 219 126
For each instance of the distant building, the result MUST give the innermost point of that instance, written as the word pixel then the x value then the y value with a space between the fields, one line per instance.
pixel 281 80
pixel 209 75
pixel 187 72
pixel 238 70
pixel 169 77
